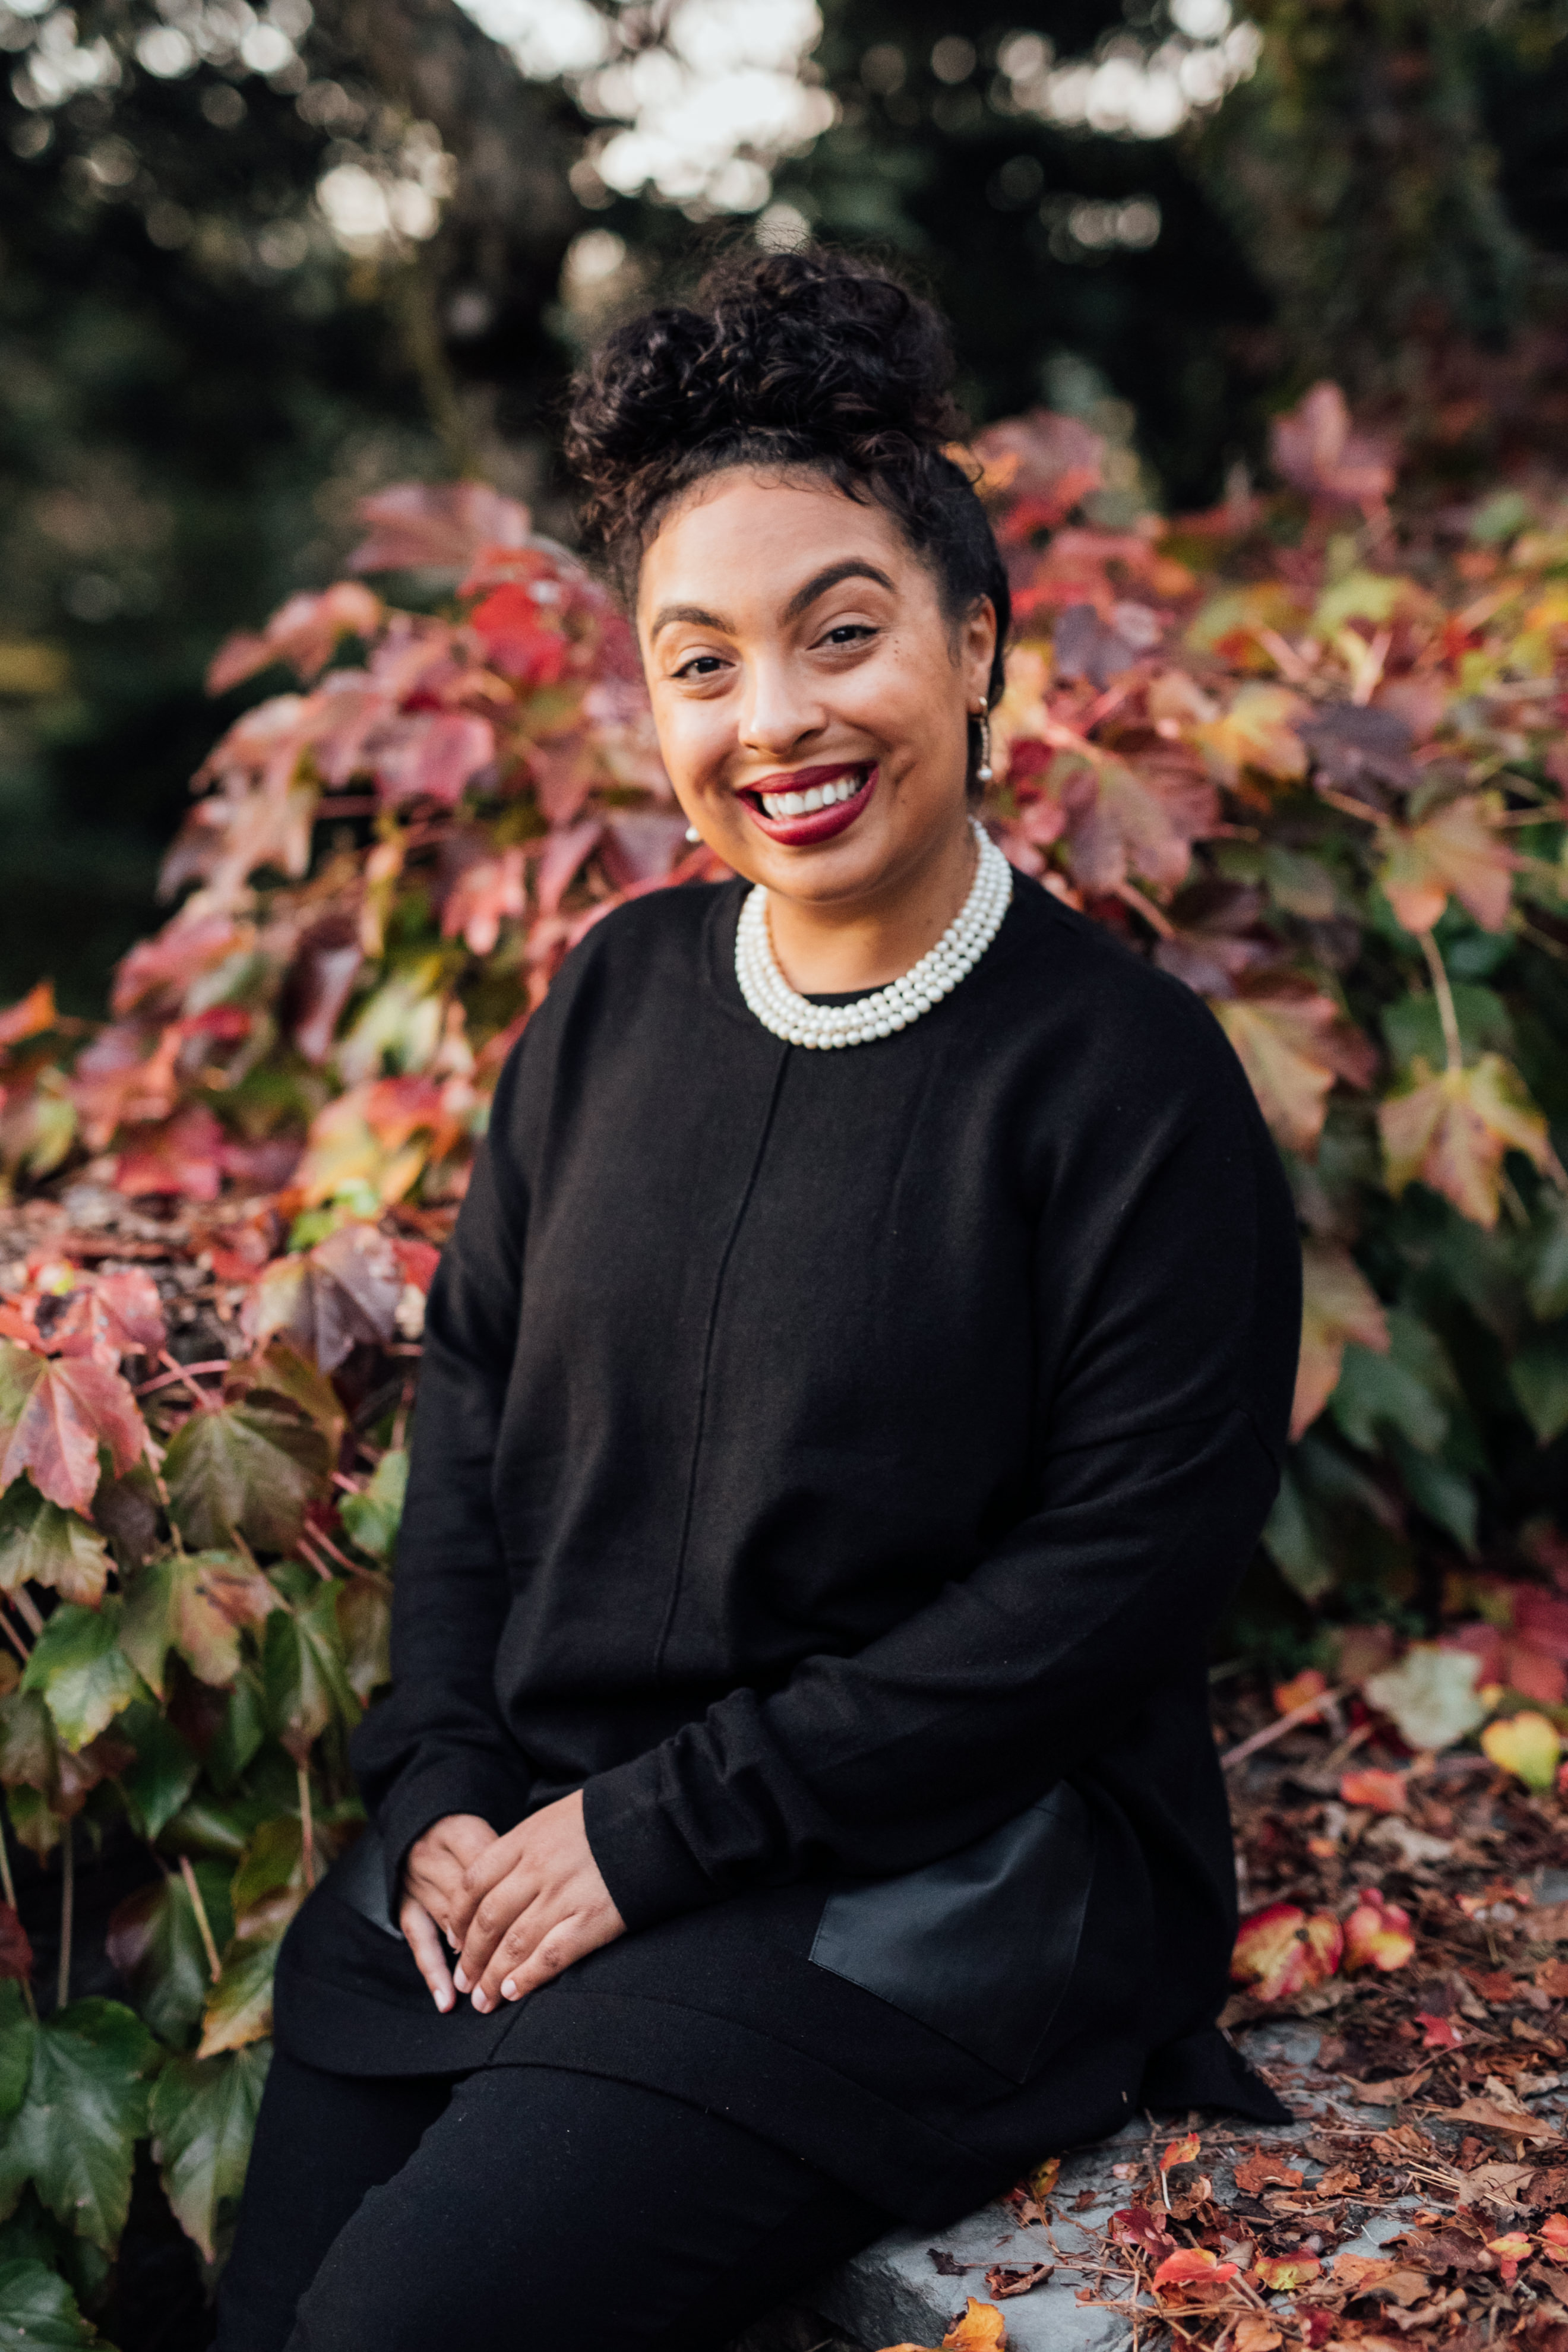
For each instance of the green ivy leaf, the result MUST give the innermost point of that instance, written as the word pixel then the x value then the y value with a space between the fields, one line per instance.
pixel 239 2009
pixel 75 2135
pixel 204 2115
pixel 196 1603
pixel 1407 1390
pixel 252 1466
pixel 364 1624
pixel 155 1942
pixel 1539 1377
pixel 16 2033
pixel 164 1771
pixel 306 1679
pixel 1548 1284
pixel 83 1674
pixel 37 2307
pixel 41 1544
pixel 372 1518
pixel 239 1734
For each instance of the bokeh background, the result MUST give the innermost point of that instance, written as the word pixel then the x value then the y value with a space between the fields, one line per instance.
pixel 257 260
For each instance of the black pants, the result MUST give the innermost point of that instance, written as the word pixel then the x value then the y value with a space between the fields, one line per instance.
pixel 520 2207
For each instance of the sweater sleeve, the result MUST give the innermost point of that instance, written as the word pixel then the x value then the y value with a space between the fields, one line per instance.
pixel 1158 1458
pixel 436 1743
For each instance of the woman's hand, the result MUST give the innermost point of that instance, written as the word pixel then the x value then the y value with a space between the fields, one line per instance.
pixel 434 1886
pixel 533 1902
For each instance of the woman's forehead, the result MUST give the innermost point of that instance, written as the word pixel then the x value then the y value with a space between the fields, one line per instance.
pixel 768 532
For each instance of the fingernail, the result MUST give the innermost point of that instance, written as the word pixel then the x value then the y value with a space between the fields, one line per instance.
pixel 481 1999
pixel 459 1980
pixel 443 2001
pixel 509 1991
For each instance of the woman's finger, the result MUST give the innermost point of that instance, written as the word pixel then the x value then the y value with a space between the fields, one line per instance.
pixel 492 1917
pixel 483 1874
pixel 423 1940
pixel 545 1941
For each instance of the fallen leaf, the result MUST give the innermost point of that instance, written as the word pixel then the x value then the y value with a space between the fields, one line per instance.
pixel 981 2329
pixel 1287 2273
pixel 1308 1685
pixel 1264 2170
pixel 1513 2247
pixel 1430 1695
pixel 1526 1745
pixel 1002 2282
pixel 1254 2334
pixel 1191 2270
pixel 1181 2151
pixel 1280 1950
pixel 1439 2033
pixel 1318 450
pixel 1515 2122
pixel 1135 2225
pixel 1378 1934
pixel 948 2266
pixel 1383 1792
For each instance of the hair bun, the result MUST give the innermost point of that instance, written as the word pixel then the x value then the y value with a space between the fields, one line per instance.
pixel 829 357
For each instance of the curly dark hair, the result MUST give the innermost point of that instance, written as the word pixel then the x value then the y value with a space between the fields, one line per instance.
pixel 809 359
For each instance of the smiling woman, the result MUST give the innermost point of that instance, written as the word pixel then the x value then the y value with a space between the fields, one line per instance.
pixel 794 1807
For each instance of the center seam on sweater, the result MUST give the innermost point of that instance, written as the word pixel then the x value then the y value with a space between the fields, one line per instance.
pixel 735 1224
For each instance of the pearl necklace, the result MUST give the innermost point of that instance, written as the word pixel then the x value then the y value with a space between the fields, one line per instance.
pixel 800 1022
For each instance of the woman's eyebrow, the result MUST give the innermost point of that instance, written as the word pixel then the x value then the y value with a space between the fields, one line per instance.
pixel 696 615
pixel 853 567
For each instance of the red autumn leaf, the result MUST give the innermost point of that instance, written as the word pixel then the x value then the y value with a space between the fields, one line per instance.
pixel 1439 2033
pixel 29 1016
pixel 418 1261
pixel 54 1413
pixel 112 1316
pixel 1287 2273
pixel 1044 463
pixel 1317 449
pixel 1554 2237
pixel 305 631
pixel 431 754
pixel 1135 2225
pixel 1280 1950
pixel 1181 2151
pixel 436 526
pixel 1542 1620
pixel 238 829
pixel 1378 1934
pixel 184 1156
pixel 1263 2170
pixel 1533 1674
pixel 642 847
pixel 1293 1042
pixel 485 895
pixel 1384 1792
pixel 521 637
pixel 343 1291
pixel 15 1951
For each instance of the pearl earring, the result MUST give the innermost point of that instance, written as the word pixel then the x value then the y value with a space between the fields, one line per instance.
pixel 982 774
pixel 692 833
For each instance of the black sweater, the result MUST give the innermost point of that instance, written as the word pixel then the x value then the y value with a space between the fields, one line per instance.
pixel 823 1459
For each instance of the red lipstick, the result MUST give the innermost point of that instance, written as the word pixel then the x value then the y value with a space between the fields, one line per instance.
pixel 821 824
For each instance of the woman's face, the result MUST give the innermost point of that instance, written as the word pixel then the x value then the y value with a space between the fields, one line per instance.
pixel 811 698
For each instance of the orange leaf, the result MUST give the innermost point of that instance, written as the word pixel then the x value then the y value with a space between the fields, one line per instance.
pixel 1191 2267
pixel 1512 2247
pixel 1256 732
pixel 1439 2033
pixel 1456 852
pixel 982 2329
pixel 1308 1683
pixel 1454 1129
pixel 1338 1305
pixel 1378 1934
pixel 54 1413
pixel 29 1016
pixel 1386 1792
pixel 1285 2273
pixel 1293 1045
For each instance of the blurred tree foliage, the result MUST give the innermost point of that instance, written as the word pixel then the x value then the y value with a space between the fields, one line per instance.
pixel 199 374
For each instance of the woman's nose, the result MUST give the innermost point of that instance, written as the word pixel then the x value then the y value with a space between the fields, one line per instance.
pixel 780 711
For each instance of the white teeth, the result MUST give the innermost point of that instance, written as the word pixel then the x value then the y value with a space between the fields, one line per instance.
pixel 821 796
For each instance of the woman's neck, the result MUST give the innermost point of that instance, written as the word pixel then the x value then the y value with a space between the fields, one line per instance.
pixel 837 949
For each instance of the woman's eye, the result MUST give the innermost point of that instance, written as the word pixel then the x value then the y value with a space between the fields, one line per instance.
pixel 699 665
pixel 849 633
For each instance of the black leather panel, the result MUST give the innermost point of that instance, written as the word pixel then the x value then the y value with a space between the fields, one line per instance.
pixel 359 1879
pixel 979 1946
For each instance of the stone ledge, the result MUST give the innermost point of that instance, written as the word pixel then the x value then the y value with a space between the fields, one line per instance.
pixel 894 2294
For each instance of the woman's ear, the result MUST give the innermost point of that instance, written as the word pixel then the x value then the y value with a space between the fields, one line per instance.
pixel 977 647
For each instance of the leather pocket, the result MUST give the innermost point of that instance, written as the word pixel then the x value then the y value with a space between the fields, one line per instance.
pixel 980 1945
